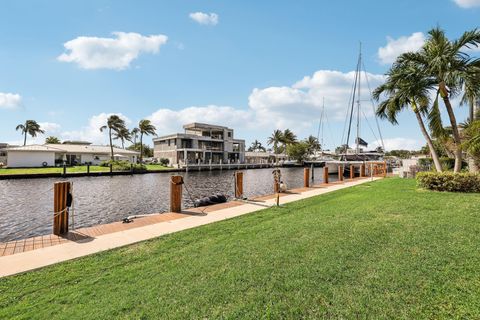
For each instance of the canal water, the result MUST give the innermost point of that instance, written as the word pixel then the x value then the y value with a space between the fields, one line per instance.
pixel 26 205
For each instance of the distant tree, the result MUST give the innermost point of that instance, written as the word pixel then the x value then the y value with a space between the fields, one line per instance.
pixel 341 149
pixel 123 134
pixel 471 133
pixel 114 124
pixel 402 154
pixel 30 127
pixel 313 144
pixel 298 151
pixel 275 140
pixel 146 128
pixel 52 140
pixel 288 138
pixel 146 149
pixel 135 132
pixel 256 146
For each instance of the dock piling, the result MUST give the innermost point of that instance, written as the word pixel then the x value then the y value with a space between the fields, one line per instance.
pixel 325 174
pixel 176 193
pixel 340 173
pixel 238 184
pixel 306 177
pixel 352 171
pixel 61 191
pixel 362 170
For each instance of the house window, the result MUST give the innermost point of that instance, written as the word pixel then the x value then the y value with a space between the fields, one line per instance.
pixel 229 134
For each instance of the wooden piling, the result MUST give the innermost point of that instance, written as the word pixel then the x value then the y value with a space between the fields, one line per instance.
pixel 306 177
pixel 60 211
pixel 352 171
pixel 384 169
pixel 362 170
pixel 276 180
pixel 238 184
pixel 176 183
pixel 325 174
pixel 64 169
pixel 340 173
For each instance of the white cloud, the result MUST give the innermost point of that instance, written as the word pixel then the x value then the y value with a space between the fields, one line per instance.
pixel 10 100
pixel 467 3
pixel 91 132
pixel 395 47
pixel 50 127
pixel 204 18
pixel 110 53
pixel 398 144
pixel 167 120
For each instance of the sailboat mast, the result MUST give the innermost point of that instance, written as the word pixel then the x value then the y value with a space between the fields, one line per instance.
pixel 357 140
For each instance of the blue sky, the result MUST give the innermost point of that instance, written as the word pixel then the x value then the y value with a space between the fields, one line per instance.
pixel 252 65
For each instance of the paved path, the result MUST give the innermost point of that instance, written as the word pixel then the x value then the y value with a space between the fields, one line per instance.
pixel 34 259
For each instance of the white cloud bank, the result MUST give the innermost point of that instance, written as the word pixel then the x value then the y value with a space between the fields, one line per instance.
pixel 204 18
pixel 467 3
pixel 110 53
pixel 10 101
pixel 398 144
pixel 396 47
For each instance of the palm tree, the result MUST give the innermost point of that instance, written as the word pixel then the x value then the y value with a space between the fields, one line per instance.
pixel 407 87
pixel 256 146
pixel 288 137
pixel 122 134
pixel 146 128
pixel 313 144
pixel 135 132
pixel 52 140
pixel 275 139
pixel 453 71
pixel 30 127
pixel 115 124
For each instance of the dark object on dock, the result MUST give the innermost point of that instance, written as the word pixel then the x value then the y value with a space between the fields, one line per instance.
pixel 207 201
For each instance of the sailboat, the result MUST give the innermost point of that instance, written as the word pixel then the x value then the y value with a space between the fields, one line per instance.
pixel 353 119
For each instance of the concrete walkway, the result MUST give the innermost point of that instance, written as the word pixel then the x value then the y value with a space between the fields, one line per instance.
pixel 30 260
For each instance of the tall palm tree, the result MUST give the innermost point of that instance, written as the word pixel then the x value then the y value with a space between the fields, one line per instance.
pixel 122 134
pixel 275 139
pixel 313 144
pixel 114 124
pixel 453 70
pixel 407 87
pixel 30 127
pixel 146 128
pixel 256 146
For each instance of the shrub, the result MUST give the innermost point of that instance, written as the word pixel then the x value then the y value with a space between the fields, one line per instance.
pixel 164 161
pixel 449 181
pixel 122 165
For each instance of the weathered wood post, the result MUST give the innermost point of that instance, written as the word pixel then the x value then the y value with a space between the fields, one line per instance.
pixel 362 170
pixel 238 184
pixel 64 169
pixel 306 177
pixel 352 171
pixel 384 169
pixel 276 180
pixel 60 209
pixel 176 193
pixel 340 173
pixel 325 174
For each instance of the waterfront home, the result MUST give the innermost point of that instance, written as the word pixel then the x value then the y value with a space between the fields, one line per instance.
pixel 200 143
pixel 264 157
pixel 3 153
pixel 48 155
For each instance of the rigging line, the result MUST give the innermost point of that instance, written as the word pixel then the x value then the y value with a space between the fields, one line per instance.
pixel 353 102
pixel 373 106
pixel 330 130
pixel 368 123
pixel 348 112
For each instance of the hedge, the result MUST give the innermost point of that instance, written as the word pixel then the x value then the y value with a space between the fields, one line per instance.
pixel 449 181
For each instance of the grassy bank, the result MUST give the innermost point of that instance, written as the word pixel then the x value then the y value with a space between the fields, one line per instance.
pixel 379 250
pixel 74 169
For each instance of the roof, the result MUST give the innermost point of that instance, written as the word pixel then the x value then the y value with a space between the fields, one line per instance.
pixel 73 148
pixel 34 147
pixel 198 125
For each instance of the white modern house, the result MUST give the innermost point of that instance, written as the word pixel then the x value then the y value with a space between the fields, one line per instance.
pixel 49 155
pixel 200 143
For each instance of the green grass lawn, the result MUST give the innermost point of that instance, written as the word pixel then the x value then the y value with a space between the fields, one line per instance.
pixel 75 169
pixel 381 250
